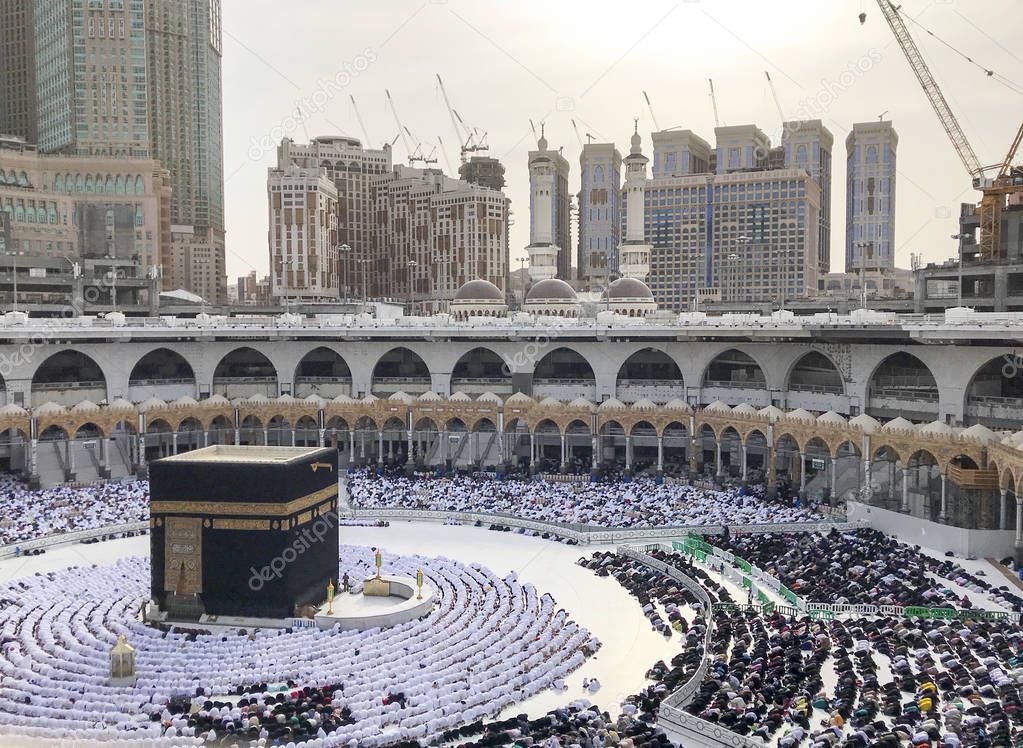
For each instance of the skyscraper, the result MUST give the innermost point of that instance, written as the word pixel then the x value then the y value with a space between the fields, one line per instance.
pixel 130 79
pixel 90 75
pixel 183 64
pixel 600 204
pixel 17 69
pixel 870 197
pixel 807 145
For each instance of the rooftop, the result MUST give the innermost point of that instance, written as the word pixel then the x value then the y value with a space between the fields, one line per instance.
pixel 229 453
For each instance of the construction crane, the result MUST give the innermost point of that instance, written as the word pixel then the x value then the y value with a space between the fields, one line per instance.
pixel 714 103
pixel 414 154
pixel 653 116
pixel 468 146
pixel 994 190
pixel 358 117
pixel 774 94
pixel 401 128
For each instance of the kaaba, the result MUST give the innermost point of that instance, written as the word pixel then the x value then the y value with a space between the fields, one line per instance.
pixel 243 531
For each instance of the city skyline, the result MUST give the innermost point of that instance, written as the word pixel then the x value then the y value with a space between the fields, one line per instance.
pixel 856 76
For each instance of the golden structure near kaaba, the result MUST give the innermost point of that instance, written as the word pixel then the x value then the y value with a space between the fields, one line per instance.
pixel 376 586
pixel 242 531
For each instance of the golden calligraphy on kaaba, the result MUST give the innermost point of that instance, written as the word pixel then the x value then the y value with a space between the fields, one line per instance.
pixel 182 553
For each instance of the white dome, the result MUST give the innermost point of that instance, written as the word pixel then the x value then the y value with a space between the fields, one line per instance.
pixel 980 432
pixel 745 408
pixel 50 408
pixel 429 396
pixel 258 399
pixel 14 410
pixel 718 407
pixel 644 404
pixel 936 428
pixel 216 400
pixel 772 413
pixel 898 424
pixel 403 397
pixel 581 402
pixel 799 414
pixel 866 424
pixel 831 417
pixel 550 402
pixel 519 398
pixel 119 403
pixel 153 402
pixel 612 403
pixel 489 397
pixel 186 401
pixel 84 406
pixel 459 397
pixel 344 400
pixel 677 404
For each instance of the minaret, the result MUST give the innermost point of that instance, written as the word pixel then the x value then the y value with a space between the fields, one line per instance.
pixel 634 252
pixel 542 249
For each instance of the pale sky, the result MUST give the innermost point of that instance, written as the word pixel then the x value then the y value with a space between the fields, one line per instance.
pixel 504 63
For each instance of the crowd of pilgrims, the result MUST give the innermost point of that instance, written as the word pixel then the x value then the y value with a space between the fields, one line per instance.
pixel 877 681
pixel 864 566
pixel 26 514
pixel 489 644
pixel 638 503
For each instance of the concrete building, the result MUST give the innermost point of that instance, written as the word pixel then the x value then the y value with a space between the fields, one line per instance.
pixel 743 236
pixel 435 234
pixel 353 168
pixel 549 212
pixel 17 69
pixel 412 235
pixel 870 196
pixel 90 69
pixel 600 220
pixel 485 171
pixel 183 83
pixel 988 286
pixel 304 261
pixel 131 79
pixel 83 207
pixel 680 153
pixel 740 148
pixel 807 145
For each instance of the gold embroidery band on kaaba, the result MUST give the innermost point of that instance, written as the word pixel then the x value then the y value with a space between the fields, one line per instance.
pixel 241 508
pixel 241 524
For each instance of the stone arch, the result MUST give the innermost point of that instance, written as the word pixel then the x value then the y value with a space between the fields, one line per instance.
pixel 400 370
pixel 564 374
pixel 815 371
pixel 994 395
pixel 729 374
pixel 902 385
pixel 244 372
pixel 649 374
pixel 221 430
pixel 161 373
pixel 481 370
pixel 68 377
pixel 324 372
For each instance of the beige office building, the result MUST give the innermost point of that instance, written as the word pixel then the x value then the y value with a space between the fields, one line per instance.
pixel 83 206
pixel 303 234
